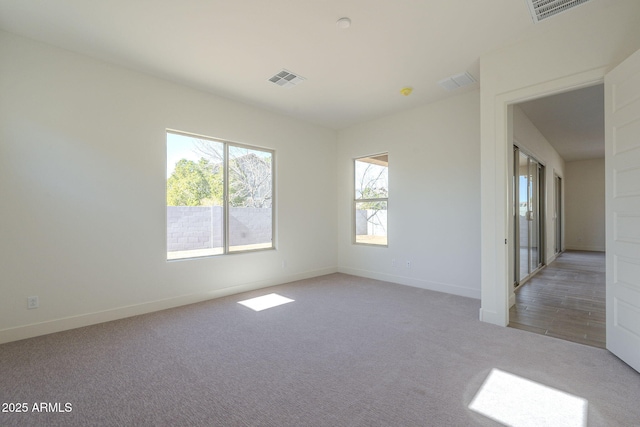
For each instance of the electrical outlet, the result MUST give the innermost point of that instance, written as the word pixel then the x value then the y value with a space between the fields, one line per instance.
pixel 408 264
pixel 33 302
pixel 393 263
pixel 284 264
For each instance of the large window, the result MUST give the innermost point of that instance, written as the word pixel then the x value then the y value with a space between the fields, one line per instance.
pixel 371 199
pixel 219 197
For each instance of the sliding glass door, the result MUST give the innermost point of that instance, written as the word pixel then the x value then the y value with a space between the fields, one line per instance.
pixel 557 213
pixel 528 185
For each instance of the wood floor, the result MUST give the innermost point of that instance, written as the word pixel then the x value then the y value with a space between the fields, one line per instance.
pixel 565 300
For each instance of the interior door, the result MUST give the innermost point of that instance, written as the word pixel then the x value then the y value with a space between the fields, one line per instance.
pixel 622 163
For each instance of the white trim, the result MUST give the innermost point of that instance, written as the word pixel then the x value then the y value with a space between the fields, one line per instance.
pixel 586 248
pixel 72 322
pixel 489 317
pixel 413 282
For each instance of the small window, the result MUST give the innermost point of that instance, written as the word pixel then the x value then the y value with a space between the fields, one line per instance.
pixel 371 199
pixel 219 197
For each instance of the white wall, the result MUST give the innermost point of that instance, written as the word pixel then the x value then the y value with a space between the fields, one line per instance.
pixel 82 143
pixel 585 205
pixel 552 59
pixel 529 138
pixel 434 196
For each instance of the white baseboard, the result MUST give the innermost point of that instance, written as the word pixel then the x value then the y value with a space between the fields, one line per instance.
pixel 416 283
pixel 87 319
pixel 585 248
pixel 491 317
pixel 512 299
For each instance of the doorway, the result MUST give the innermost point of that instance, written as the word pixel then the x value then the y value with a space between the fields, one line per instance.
pixel 559 273
pixel 498 100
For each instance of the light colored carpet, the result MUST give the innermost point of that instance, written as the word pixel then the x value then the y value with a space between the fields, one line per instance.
pixel 348 351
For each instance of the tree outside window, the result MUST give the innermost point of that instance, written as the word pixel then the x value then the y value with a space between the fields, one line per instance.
pixel 371 199
pixel 202 174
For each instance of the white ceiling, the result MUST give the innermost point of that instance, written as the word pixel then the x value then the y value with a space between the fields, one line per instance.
pixel 572 122
pixel 231 48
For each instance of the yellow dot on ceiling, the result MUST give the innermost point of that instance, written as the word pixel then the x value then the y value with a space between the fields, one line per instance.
pixel 406 91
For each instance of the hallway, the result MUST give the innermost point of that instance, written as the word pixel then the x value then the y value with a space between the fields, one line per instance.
pixel 565 300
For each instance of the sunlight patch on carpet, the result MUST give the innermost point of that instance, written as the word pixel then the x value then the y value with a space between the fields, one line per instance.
pixel 518 402
pixel 265 301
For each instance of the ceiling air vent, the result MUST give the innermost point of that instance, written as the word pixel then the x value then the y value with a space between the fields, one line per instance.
pixel 457 81
pixel 543 9
pixel 286 79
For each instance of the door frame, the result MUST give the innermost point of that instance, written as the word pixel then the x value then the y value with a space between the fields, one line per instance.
pixel 496 279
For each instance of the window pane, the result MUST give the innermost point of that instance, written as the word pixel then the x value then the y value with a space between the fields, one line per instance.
pixel 372 177
pixel 194 197
pixel 219 197
pixel 371 222
pixel 250 199
pixel 371 194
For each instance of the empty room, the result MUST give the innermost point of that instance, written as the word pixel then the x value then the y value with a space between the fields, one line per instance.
pixel 299 213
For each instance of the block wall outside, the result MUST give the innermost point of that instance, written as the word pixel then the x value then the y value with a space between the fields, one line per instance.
pixel 371 227
pixel 200 227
